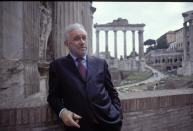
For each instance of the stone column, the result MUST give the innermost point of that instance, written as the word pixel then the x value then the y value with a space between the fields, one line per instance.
pixel 97 42
pixel 115 43
pixel 125 47
pixel 191 42
pixel 1 34
pixel 141 53
pixel 31 22
pixel 185 41
pixel 106 44
pixel 58 28
pixel 133 38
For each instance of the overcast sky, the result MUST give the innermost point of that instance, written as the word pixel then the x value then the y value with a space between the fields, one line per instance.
pixel 158 17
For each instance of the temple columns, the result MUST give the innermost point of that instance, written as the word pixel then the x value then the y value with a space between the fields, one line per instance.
pixel 141 44
pixel 115 43
pixel 106 44
pixel 133 39
pixel 125 46
pixel 141 53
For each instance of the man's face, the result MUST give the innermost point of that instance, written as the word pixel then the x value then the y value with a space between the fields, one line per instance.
pixel 77 42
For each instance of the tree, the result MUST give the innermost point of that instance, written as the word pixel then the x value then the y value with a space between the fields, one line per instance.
pixel 162 44
pixel 131 54
pixel 150 42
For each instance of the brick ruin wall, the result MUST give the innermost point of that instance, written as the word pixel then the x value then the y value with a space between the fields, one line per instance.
pixel 171 112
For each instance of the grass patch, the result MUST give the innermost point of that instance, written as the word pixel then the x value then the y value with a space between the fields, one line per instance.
pixel 185 77
pixel 139 75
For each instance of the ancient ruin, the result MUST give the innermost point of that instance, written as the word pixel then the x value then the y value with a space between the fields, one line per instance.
pixel 179 55
pixel 188 43
pixel 31 36
pixel 120 25
pixel 164 60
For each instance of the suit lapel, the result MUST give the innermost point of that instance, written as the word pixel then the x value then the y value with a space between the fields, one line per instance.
pixel 91 67
pixel 70 65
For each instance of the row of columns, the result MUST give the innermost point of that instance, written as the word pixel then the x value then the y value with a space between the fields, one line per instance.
pixel 140 34
pixel 172 60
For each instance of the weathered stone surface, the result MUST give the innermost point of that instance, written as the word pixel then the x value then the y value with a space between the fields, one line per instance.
pixel 45 29
pixel 188 43
pixel 12 30
pixel 31 36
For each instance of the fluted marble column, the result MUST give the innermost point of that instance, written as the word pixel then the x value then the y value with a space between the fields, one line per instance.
pixel 125 46
pixel 97 42
pixel 141 53
pixel 133 39
pixel 115 43
pixel 106 44
pixel 31 20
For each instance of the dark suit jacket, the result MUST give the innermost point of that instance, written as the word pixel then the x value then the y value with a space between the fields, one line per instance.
pixel 94 97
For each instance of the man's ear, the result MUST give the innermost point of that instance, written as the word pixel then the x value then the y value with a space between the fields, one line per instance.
pixel 66 43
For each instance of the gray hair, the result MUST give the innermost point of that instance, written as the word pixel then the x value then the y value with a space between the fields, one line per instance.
pixel 71 27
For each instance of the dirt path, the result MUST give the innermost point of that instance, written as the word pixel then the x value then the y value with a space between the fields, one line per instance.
pixel 157 76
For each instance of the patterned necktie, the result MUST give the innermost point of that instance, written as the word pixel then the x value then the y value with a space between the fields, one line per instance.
pixel 81 68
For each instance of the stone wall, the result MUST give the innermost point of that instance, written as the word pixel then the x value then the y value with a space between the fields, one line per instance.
pixel 11 51
pixel 165 110
pixel 31 37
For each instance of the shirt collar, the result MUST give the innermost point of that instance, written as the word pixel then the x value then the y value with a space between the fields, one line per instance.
pixel 74 57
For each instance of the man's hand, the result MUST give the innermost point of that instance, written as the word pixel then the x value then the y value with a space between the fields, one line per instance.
pixel 70 119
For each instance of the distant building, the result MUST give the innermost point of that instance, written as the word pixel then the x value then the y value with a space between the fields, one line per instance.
pixel 177 45
pixel 169 37
pixel 164 60
pixel 170 58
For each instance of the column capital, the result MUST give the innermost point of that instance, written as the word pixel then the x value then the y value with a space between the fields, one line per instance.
pixel 140 31
pixel 114 30
pixel 124 31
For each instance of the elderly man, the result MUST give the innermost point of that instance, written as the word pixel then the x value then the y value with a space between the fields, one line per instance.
pixel 80 87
